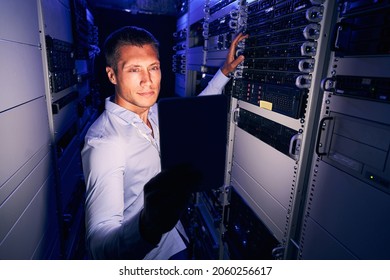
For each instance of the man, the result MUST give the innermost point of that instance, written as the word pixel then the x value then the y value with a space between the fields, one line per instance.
pixel 132 208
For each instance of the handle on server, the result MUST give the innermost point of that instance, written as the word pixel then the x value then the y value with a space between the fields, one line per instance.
pixel 320 130
pixel 334 45
pixel 295 146
pixel 236 115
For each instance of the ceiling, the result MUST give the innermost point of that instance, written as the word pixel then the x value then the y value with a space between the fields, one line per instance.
pixel 160 7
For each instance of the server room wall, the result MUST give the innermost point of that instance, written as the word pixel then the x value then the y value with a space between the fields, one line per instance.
pixel 160 26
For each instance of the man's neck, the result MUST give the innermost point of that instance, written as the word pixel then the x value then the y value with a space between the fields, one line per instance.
pixel 141 112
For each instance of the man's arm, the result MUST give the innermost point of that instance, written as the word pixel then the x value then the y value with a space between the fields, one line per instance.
pixel 109 235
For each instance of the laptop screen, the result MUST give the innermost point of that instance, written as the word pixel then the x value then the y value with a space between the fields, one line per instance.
pixel 193 130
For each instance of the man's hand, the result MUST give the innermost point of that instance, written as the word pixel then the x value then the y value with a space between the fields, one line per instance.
pixel 231 63
pixel 166 196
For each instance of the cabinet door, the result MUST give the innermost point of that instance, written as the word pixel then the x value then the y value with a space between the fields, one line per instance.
pixel 21 74
pixel 19 22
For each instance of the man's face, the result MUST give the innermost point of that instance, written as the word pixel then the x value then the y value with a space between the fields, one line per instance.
pixel 137 81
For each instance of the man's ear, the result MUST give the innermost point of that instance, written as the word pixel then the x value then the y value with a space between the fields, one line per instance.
pixel 111 75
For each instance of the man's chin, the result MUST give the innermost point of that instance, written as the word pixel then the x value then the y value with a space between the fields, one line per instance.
pixel 148 103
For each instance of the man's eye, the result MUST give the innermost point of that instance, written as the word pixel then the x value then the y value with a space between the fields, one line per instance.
pixel 134 70
pixel 155 68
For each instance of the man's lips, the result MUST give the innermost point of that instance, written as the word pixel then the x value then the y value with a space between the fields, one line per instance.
pixel 146 93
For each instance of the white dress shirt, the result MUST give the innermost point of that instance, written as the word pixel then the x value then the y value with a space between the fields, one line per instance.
pixel 119 157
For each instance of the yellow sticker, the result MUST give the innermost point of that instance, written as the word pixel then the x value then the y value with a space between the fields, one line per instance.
pixel 266 105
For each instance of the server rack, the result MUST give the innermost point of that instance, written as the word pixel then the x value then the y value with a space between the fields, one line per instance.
pixel 189 52
pixel 345 215
pixel 208 29
pixel 276 95
pixel 62 98
pixel 69 46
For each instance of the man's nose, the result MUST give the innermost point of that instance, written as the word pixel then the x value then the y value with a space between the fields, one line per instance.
pixel 146 78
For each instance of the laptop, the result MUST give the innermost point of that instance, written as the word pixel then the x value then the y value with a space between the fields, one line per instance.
pixel 193 130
